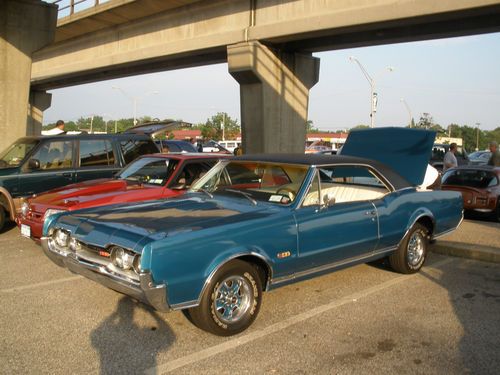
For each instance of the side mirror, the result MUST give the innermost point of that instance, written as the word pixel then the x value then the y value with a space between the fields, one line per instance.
pixel 34 164
pixel 328 199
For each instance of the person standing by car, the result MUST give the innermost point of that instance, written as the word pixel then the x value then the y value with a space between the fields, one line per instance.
pixel 495 154
pixel 450 160
pixel 58 129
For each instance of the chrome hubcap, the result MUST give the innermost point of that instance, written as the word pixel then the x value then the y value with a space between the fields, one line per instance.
pixel 232 299
pixel 416 249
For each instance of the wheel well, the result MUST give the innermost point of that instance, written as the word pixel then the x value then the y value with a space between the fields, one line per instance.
pixel 427 222
pixel 4 203
pixel 261 266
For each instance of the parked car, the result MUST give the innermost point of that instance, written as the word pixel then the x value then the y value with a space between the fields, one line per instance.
pixel 440 149
pixel 317 149
pixel 173 145
pixel 35 164
pixel 479 186
pixel 479 157
pixel 230 145
pixel 148 177
pixel 213 146
pixel 257 222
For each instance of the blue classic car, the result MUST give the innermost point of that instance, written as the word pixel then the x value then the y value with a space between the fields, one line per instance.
pixel 257 222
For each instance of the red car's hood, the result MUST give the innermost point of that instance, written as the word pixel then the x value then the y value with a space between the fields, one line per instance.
pixel 95 193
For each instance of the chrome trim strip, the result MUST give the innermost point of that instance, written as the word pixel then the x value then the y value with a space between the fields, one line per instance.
pixel 329 266
pixel 185 305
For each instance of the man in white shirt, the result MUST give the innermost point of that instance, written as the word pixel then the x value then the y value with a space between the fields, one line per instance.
pixel 59 129
pixel 450 160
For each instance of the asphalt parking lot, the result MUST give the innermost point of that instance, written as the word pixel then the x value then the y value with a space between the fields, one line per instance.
pixel 366 319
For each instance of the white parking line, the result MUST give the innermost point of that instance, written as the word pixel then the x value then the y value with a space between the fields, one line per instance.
pixel 38 285
pixel 242 340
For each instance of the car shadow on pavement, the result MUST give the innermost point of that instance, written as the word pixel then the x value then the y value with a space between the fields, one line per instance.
pixel 475 298
pixel 129 340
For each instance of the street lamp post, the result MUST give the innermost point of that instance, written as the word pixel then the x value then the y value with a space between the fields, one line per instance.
pixel 408 109
pixel 373 94
pixel 134 99
pixel 477 136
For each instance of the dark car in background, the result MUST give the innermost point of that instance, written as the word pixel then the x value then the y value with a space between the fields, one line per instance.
pixel 173 145
pixel 440 149
pixel 479 186
pixel 36 164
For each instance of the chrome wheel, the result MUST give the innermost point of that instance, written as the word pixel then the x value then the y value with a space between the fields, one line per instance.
pixel 416 249
pixel 233 298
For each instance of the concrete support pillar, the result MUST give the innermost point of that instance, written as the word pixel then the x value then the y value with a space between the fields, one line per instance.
pixel 39 101
pixel 274 95
pixel 25 26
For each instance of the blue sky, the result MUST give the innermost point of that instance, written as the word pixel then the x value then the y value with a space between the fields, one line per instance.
pixel 455 80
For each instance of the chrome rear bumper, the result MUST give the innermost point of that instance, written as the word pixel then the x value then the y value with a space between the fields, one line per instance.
pixel 144 290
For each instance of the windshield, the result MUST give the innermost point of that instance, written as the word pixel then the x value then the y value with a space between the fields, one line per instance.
pixel 154 171
pixel 256 181
pixel 471 178
pixel 14 155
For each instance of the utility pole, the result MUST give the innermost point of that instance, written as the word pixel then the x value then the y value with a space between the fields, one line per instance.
pixel 477 136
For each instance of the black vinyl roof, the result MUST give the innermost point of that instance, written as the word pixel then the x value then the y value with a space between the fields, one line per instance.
pixel 392 177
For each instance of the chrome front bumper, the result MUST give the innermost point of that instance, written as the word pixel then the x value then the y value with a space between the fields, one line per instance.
pixel 144 290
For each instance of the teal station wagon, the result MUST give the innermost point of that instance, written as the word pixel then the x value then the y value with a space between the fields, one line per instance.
pixel 257 222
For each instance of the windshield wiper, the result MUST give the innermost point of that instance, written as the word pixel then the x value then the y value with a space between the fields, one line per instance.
pixel 246 195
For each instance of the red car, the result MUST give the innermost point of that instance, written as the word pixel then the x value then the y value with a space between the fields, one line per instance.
pixel 146 178
pixel 479 185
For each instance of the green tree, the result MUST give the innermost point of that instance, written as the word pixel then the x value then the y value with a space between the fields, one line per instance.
pixel 212 128
pixel 427 122
pixel 310 127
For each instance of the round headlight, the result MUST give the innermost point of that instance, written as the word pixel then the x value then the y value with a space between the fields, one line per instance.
pixel 74 245
pixel 61 238
pixel 25 208
pixel 122 258
pixel 137 264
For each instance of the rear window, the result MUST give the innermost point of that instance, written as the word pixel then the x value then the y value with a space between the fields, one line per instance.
pixel 471 178
pixel 134 148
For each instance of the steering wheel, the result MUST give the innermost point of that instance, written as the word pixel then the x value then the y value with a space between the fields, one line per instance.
pixel 287 191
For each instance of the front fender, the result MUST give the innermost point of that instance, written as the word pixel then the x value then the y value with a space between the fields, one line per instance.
pixel 8 202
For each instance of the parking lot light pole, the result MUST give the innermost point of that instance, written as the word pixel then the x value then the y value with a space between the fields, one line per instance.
pixel 477 136
pixel 408 109
pixel 373 94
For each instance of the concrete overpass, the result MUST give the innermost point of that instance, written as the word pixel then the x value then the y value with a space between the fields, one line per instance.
pixel 268 46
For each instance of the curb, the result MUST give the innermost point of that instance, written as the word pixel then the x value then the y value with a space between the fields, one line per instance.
pixel 476 252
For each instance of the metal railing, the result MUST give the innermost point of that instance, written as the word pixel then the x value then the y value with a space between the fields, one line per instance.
pixel 70 7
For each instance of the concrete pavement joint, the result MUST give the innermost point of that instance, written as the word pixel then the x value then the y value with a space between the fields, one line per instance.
pixel 238 341
pixel 37 285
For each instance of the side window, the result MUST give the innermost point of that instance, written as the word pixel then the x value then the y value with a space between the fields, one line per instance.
pixel 346 184
pixel 96 153
pixel 55 155
pixel 133 148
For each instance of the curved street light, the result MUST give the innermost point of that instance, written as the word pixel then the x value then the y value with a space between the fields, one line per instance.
pixel 408 109
pixel 371 81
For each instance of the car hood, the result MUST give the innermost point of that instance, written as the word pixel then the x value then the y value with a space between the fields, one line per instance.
pixel 134 225
pixel 85 192
pixel 407 151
